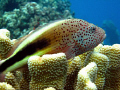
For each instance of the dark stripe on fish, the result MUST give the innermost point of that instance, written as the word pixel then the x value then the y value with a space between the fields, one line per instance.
pixel 27 50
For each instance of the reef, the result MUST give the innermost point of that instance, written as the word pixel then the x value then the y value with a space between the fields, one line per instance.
pixel 97 69
pixel 27 15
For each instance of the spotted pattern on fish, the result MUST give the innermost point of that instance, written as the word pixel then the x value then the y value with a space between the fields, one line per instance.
pixel 78 34
pixel 70 36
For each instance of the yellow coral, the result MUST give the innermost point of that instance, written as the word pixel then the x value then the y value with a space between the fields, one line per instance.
pixel 5 32
pixel 98 48
pixel 72 72
pixel 102 62
pixel 10 78
pixel 84 58
pixel 50 88
pixel 113 53
pixel 5 43
pixel 18 75
pixel 43 72
pixel 112 80
pixel 24 81
pixel 48 71
pixel 86 77
pixel 5 86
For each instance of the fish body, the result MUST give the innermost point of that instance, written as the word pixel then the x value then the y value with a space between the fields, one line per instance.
pixel 70 36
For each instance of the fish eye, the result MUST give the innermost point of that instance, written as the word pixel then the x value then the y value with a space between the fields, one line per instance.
pixel 93 28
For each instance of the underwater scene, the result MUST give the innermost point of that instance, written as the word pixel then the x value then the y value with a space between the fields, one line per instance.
pixel 59 45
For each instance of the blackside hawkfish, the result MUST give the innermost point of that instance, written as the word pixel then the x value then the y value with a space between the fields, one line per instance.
pixel 70 36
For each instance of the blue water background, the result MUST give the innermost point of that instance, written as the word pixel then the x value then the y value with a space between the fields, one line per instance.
pixel 96 11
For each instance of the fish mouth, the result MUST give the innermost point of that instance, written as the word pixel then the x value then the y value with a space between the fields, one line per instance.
pixel 103 37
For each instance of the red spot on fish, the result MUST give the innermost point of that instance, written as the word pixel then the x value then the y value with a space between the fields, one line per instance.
pixel 65 23
pixel 63 31
pixel 80 24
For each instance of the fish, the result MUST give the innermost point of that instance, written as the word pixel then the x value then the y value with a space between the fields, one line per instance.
pixel 70 36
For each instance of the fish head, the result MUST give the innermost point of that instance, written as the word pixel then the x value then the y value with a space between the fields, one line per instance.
pixel 89 36
pixel 96 35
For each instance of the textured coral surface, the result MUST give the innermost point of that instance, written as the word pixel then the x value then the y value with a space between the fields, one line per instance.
pixel 5 43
